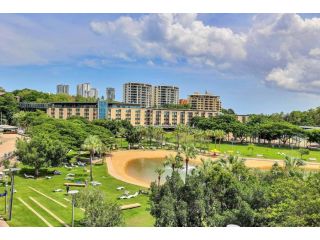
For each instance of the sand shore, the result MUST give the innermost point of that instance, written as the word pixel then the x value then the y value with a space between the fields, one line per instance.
pixel 8 144
pixel 118 161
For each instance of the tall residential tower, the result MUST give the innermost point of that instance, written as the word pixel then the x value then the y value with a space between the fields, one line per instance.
pixel 110 94
pixel 61 88
pixel 83 89
pixel 138 93
pixel 164 95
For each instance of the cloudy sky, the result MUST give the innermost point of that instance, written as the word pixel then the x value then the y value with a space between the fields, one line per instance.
pixel 257 63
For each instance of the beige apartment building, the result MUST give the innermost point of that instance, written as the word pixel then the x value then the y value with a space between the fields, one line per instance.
pixel 157 116
pixel 136 115
pixel 205 102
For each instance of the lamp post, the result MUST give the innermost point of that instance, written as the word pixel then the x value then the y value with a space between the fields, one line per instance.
pixel 12 171
pixel 73 194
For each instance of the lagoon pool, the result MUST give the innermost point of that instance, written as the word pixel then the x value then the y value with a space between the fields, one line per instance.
pixel 144 169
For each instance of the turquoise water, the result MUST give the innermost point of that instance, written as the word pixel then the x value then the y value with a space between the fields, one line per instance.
pixel 144 169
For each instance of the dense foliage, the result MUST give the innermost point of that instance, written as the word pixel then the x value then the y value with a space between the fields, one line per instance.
pixel 40 151
pixel 259 129
pixel 227 192
pixel 98 212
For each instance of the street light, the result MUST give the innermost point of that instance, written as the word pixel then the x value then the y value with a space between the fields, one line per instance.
pixel 73 194
pixel 12 171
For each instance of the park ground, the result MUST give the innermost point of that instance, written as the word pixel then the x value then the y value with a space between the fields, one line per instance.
pixel 35 203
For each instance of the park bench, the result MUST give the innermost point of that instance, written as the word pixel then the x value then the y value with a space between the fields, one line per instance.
pixel 130 206
pixel 75 184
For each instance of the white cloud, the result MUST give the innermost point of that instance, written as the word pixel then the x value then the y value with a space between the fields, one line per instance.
pixel 284 49
pixel 174 38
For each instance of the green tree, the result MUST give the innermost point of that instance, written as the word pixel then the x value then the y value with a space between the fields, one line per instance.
pixel 159 172
pixel 133 136
pixel 94 145
pixel 190 152
pixel 98 211
pixel 303 151
pixel 40 151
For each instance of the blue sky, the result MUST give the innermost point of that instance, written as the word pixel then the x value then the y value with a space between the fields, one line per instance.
pixel 257 63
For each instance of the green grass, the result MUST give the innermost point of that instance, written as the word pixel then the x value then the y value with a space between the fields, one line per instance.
pixel 22 216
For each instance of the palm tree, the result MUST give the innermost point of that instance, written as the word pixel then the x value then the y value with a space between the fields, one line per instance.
pixel 150 132
pixel 159 172
pixel 120 134
pixel 218 134
pixel 159 134
pixel 178 133
pixel 291 163
pixel 208 135
pixel 251 148
pixel 173 161
pixel 189 152
pixel 229 162
pixel 94 145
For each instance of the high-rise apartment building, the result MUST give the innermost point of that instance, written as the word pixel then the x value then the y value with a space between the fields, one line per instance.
pixel 110 94
pixel 61 88
pixel 138 93
pixel 205 102
pixel 93 93
pixel 83 89
pixel 163 95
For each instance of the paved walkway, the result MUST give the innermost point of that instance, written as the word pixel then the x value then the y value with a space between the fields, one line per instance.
pixel 3 223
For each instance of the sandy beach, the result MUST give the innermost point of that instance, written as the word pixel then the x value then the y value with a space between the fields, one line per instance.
pixel 118 161
pixel 8 143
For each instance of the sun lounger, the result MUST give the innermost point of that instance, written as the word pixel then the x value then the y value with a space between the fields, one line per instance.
pixel 69 178
pixel 95 183
pixel 120 188
pixel 55 172
pixel 57 190
pixel 28 176
pixel 70 174
pixel 48 177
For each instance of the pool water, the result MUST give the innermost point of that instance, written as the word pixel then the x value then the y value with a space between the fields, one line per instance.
pixel 144 169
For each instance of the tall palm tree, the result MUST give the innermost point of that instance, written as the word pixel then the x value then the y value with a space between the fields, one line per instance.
pixel 150 132
pixel 175 162
pixel 121 133
pixel 178 132
pixel 94 145
pixel 159 172
pixel 219 135
pixel 190 152
pixel 159 134
pixel 208 135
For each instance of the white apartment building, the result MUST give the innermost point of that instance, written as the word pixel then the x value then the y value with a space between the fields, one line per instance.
pixel 61 88
pixel 93 93
pixel 83 89
pixel 110 94
pixel 163 95
pixel 137 93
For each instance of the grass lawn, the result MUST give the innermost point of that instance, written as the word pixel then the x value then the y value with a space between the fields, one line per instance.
pixel 265 150
pixel 22 216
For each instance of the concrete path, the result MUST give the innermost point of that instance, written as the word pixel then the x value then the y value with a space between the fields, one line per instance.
pixel 35 212
pixel 3 223
pixel 49 212
pixel 61 204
